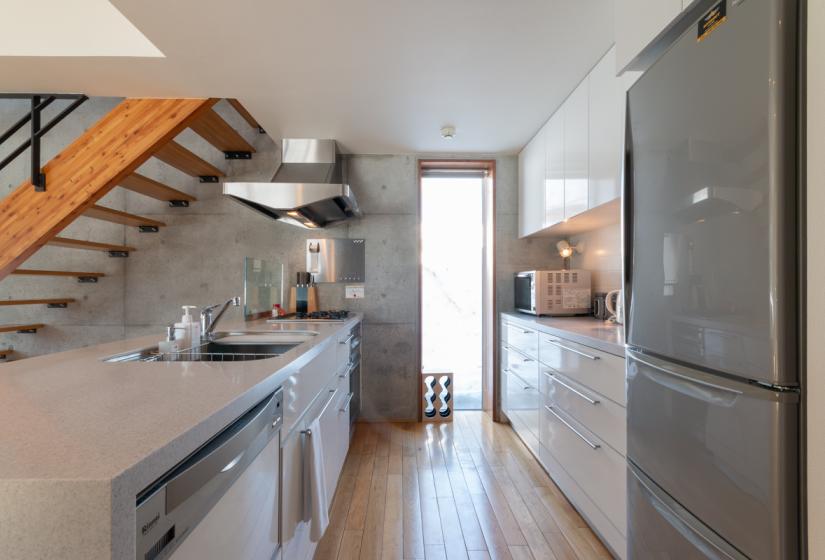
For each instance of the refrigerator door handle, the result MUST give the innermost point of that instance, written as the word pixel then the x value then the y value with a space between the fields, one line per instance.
pixel 627 218
pixel 685 384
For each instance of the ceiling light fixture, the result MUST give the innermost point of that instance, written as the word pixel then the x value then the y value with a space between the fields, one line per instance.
pixel 448 132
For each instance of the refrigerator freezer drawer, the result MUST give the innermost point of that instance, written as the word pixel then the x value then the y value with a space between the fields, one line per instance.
pixel 660 528
pixel 725 450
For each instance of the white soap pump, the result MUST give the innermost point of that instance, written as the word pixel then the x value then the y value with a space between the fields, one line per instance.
pixel 187 331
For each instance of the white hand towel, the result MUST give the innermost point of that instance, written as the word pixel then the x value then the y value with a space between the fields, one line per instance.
pixel 317 484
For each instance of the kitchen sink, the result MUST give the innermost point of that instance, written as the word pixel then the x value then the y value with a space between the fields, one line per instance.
pixel 227 347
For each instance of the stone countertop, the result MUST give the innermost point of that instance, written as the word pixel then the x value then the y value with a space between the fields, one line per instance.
pixel 101 432
pixel 601 335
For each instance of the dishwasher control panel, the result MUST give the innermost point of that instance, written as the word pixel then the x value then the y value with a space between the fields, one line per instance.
pixel 170 509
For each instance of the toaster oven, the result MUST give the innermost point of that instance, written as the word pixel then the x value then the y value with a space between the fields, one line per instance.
pixel 553 292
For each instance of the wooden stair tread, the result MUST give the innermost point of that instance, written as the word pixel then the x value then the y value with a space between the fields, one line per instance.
pixel 247 116
pixel 91 245
pixel 45 301
pixel 87 169
pixel 180 158
pixel 154 189
pixel 21 327
pixel 37 272
pixel 212 128
pixel 116 216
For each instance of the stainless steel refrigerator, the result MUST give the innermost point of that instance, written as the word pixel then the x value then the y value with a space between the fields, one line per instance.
pixel 711 277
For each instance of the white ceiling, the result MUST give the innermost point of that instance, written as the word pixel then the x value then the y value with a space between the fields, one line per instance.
pixel 380 76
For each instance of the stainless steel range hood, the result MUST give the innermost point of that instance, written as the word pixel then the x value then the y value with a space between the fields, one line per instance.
pixel 309 189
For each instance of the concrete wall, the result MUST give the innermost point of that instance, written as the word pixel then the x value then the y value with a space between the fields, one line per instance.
pixel 815 375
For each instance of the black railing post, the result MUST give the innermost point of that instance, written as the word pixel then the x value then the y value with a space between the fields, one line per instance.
pixel 38 178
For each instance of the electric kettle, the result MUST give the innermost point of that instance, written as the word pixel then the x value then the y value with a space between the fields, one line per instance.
pixel 614 302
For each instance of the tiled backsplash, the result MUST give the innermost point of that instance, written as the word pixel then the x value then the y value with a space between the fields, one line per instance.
pixel 602 255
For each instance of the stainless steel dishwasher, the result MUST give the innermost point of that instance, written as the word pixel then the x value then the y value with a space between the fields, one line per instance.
pixel 223 500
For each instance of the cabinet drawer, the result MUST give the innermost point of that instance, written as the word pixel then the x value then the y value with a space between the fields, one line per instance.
pixel 524 402
pixel 530 439
pixel 601 416
pixel 601 372
pixel 525 367
pixel 523 339
pixel 595 467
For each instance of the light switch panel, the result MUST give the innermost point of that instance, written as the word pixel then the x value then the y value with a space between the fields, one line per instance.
pixel 354 292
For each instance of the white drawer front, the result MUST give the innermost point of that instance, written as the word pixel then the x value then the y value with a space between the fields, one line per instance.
pixel 523 339
pixel 520 364
pixel 601 372
pixel 523 401
pixel 595 467
pixel 601 416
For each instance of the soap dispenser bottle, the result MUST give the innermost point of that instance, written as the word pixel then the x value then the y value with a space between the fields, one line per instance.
pixel 170 345
pixel 187 330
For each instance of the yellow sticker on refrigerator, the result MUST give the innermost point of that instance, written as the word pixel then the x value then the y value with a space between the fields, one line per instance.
pixel 715 17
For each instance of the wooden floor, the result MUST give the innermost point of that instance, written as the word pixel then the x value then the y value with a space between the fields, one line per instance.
pixel 462 490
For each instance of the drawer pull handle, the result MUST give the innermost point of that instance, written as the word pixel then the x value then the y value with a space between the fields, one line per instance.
pixel 592 445
pixel 527 387
pixel 348 339
pixel 573 389
pixel 526 332
pixel 528 359
pixel 346 404
pixel 579 352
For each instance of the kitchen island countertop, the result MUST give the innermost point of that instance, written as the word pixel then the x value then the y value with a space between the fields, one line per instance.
pixel 601 335
pixel 80 437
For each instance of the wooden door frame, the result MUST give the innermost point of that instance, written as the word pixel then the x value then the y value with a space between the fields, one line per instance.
pixel 490 382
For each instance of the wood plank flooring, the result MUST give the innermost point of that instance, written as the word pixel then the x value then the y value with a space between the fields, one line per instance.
pixel 466 490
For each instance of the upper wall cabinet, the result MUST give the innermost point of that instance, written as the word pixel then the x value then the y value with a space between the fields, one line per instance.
pixel 639 22
pixel 607 106
pixel 531 186
pixel 576 132
pixel 574 162
pixel 554 170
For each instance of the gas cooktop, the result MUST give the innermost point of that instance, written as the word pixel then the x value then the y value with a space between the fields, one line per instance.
pixel 331 315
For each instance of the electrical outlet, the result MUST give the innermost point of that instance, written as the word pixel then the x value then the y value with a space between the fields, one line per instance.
pixel 354 292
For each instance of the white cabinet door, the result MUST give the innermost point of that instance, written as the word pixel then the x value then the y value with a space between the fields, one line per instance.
pixel 606 130
pixel 575 151
pixel 531 186
pixel 637 23
pixel 554 169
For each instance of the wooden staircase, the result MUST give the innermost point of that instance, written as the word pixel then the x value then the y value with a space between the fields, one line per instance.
pixel 104 157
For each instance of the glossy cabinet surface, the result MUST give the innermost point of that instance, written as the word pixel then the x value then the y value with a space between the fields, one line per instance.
pixel 606 130
pixel 531 193
pixel 574 420
pixel 576 172
pixel 573 164
pixel 554 170
pixel 330 404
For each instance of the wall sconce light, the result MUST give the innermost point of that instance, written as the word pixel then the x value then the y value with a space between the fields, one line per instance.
pixel 566 250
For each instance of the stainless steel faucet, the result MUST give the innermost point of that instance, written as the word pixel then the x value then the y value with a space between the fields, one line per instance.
pixel 208 322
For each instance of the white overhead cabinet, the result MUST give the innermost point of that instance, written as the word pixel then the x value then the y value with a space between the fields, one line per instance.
pixel 576 172
pixel 607 107
pixel 639 22
pixel 531 191
pixel 554 170
pixel 573 163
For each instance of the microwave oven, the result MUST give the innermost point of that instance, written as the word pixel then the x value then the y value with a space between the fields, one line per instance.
pixel 553 292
